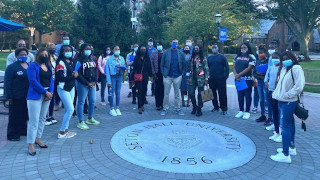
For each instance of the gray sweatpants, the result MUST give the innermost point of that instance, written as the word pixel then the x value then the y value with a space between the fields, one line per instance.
pixel 37 110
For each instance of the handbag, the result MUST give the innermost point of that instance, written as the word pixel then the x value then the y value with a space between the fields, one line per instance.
pixel 207 95
pixel 138 77
pixel 300 111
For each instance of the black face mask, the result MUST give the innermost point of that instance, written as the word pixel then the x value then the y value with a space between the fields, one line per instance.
pixel 196 51
pixel 52 51
pixel 186 51
pixel 44 59
pixel 143 52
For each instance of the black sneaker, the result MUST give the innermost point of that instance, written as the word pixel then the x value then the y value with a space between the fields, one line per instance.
pixel 262 118
pixel 224 112
pixel 215 110
pixel 194 110
pixel 134 101
pixel 129 95
pixel 199 112
pixel 268 122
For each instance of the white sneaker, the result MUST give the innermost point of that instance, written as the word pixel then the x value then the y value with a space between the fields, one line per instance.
pixel 275 135
pixel 66 135
pixel 113 112
pixel 292 152
pixel 118 112
pixel 103 103
pixel 246 115
pixel 280 157
pixel 48 123
pixel 278 139
pixel 239 115
pixel 270 128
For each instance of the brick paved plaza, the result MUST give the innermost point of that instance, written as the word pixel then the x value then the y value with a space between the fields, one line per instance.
pixel 76 158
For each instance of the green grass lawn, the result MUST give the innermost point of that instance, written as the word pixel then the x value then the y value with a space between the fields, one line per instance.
pixel 3 60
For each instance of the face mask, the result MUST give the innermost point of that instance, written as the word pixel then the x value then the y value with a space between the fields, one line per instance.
pixel 262 56
pixel 68 54
pixel 87 52
pixel 143 52
pixel 135 49
pixel 275 61
pixel 243 51
pixel 287 63
pixel 196 51
pixel 22 58
pixel 43 59
pixel 66 42
pixel 174 45
pixel 271 51
pixel 52 51
pixel 108 52
pixel 186 51
pixel 159 48
pixel 214 50
pixel 150 43
pixel 117 53
pixel 189 44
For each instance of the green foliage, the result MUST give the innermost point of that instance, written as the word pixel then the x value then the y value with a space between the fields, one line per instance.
pixel 101 22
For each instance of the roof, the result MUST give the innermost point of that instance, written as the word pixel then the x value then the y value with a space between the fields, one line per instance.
pixel 262 31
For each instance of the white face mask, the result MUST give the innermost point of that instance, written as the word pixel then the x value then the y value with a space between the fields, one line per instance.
pixel 189 44
pixel 150 43
pixel 271 51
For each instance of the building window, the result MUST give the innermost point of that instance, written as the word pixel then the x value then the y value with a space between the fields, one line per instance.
pixel 276 36
pixel 290 32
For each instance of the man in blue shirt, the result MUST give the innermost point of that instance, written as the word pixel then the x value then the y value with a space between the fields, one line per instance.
pixel 188 43
pixel 172 66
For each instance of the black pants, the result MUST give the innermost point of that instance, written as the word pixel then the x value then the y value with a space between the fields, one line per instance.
pixel 247 93
pixel 159 90
pixel 219 85
pixel 56 96
pixel 275 114
pixel 134 92
pixel 51 106
pixel 18 117
pixel 142 91
pixel 192 92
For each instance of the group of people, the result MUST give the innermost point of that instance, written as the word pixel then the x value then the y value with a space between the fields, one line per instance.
pixel 35 86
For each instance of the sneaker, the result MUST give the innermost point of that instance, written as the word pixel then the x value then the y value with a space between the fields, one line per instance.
pixel 268 122
pixel 163 112
pixel 134 101
pixel 278 139
pixel 72 133
pixel 239 115
pixel 113 112
pixel 48 123
pixel 254 110
pixel 92 121
pixel 66 135
pixel 74 114
pixel 199 112
pixel 224 112
pixel 118 112
pixel 246 115
pixel 129 95
pixel 280 157
pixel 270 128
pixel 292 152
pixel 215 110
pixel 53 120
pixel 262 118
pixel 103 103
pixel 82 125
pixel 275 135
pixel 180 112
pixel 194 110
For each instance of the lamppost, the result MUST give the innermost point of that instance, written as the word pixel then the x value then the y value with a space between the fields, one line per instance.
pixel 218 21
pixel 134 20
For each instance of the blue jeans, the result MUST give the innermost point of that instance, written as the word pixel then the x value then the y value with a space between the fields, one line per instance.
pixel 84 91
pixel 270 104
pixel 103 86
pixel 287 124
pixel 245 94
pixel 255 97
pixel 67 100
pixel 116 81
pixel 262 91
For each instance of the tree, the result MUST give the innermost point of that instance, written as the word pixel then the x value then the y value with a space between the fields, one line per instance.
pixel 153 19
pixel 102 22
pixel 197 19
pixel 302 16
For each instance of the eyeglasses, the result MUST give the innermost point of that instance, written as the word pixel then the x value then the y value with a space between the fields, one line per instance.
pixel 21 45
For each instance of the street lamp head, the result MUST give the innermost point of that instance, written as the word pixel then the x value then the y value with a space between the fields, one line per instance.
pixel 218 18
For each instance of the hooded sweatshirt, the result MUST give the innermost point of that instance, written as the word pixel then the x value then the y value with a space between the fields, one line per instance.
pixel 87 71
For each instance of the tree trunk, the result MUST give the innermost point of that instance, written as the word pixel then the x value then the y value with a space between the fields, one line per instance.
pixel 304 46
pixel 3 40
pixel 40 39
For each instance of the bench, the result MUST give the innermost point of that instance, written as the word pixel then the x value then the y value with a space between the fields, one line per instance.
pixel 312 77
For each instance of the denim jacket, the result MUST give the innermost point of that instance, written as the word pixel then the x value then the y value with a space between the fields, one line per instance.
pixel 111 69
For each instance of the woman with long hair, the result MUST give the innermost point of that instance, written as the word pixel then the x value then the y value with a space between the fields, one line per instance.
pixel 184 85
pixel 101 66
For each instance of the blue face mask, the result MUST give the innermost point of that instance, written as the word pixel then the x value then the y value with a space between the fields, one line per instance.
pixel 159 48
pixel 174 45
pixel 66 42
pixel 214 50
pixel 275 61
pixel 68 54
pixel 287 63
pixel 135 49
pixel 117 53
pixel 22 58
pixel 87 52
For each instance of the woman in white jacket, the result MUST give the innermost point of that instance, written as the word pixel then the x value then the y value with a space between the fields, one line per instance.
pixel 291 81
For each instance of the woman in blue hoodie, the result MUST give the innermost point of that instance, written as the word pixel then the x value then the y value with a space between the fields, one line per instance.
pixel 38 98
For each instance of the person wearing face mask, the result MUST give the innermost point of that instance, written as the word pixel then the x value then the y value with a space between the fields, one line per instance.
pixel 219 73
pixel 86 86
pixel 40 92
pixel 55 101
pixel 157 75
pixel 271 82
pixel 12 57
pixel 65 41
pixel 172 66
pixel 101 66
pixel 242 68
pixel 188 43
pixel 129 61
pixel 114 70
pixel 150 50
pixel 65 78
pixel 262 61
pixel 16 86
pixel 142 65
pixel 184 85
pixel 291 82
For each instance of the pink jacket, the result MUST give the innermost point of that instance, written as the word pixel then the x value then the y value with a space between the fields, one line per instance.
pixel 102 63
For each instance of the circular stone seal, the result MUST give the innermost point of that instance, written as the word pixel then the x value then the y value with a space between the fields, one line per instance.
pixel 183 146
